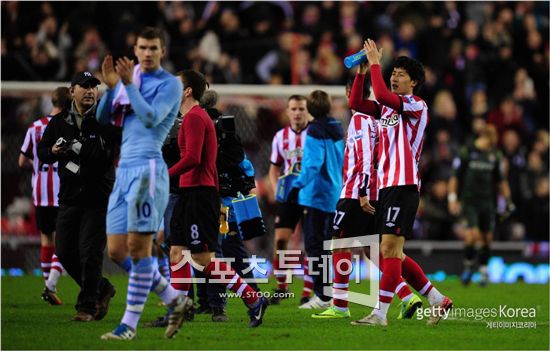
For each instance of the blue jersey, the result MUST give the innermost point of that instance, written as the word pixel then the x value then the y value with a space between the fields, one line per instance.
pixel 320 180
pixel 155 105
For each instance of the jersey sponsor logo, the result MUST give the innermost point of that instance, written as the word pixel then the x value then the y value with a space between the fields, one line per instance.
pixel 481 165
pixel 392 121
pixel 297 152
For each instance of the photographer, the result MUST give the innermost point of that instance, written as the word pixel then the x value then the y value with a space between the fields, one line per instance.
pixel 85 152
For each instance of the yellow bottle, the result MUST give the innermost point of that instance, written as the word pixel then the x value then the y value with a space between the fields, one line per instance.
pixel 224 219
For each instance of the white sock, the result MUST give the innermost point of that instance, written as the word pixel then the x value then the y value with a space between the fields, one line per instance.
pixel 435 297
pixel 51 283
pixel 407 298
pixel 342 309
pixel 383 311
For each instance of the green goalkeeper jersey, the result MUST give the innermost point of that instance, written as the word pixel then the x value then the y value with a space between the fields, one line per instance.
pixel 479 174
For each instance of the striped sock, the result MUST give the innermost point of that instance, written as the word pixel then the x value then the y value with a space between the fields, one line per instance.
pixel 308 280
pixel 341 265
pixel 403 291
pixel 415 276
pixel 46 253
pixel 126 264
pixel 55 273
pixel 388 284
pixel 223 274
pixel 164 267
pixel 139 285
pixel 280 275
pixel 181 277
pixel 161 287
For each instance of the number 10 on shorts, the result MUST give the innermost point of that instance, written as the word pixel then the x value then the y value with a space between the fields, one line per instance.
pixel 143 210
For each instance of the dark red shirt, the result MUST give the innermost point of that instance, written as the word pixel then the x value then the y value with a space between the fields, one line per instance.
pixel 198 150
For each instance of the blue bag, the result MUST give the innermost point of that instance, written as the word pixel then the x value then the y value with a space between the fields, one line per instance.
pixel 248 216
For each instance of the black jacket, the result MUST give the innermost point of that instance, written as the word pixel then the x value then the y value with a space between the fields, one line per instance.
pixel 93 183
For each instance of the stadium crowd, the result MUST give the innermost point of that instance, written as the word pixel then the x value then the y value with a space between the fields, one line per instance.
pixel 485 61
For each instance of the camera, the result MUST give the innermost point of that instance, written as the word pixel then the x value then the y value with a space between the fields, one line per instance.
pixel 225 125
pixel 62 143
pixel 73 145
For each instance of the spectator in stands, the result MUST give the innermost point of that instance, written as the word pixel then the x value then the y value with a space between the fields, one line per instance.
pixel 537 224
pixel 91 50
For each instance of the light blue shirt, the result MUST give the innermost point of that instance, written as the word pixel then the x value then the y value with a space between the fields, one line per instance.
pixel 155 105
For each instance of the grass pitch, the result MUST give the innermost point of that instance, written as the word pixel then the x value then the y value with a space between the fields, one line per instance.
pixel 29 323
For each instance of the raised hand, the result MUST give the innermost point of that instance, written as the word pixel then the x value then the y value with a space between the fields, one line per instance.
pixel 110 77
pixel 373 54
pixel 363 68
pixel 125 68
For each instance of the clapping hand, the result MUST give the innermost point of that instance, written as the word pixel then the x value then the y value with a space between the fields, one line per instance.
pixel 373 54
pixel 125 69
pixel 110 77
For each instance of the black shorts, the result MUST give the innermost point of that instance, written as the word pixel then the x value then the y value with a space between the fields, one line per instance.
pixel 288 215
pixel 480 217
pixel 46 217
pixel 196 220
pixel 351 221
pixel 396 210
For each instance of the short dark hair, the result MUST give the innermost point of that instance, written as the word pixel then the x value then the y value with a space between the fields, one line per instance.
pixel 194 80
pixel 414 69
pixel 61 97
pixel 296 97
pixel 366 85
pixel 152 33
pixel 319 103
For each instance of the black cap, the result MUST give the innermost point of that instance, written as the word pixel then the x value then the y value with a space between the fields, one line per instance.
pixel 81 78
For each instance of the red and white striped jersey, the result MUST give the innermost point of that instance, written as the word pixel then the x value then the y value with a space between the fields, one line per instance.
pixel 45 180
pixel 288 147
pixel 359 157
pixel 400 142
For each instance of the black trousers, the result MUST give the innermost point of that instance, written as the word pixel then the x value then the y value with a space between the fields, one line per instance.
pixel 315 230
pixel 80 242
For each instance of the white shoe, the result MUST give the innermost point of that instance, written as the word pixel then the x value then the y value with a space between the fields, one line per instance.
pixel 371 320
pixel 440 310
pixel 316 304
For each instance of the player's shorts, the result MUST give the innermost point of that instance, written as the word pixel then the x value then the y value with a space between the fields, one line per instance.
pixel 351 221
pixel 288 215
pixel 481 217
pixel 396 210
pixel 139 198
pixel 196 220
pixel 46 217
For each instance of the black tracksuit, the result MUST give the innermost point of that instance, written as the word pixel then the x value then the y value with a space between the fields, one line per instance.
pixel 80 239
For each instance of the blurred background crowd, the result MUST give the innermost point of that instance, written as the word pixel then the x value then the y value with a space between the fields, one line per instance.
pixel 486 62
